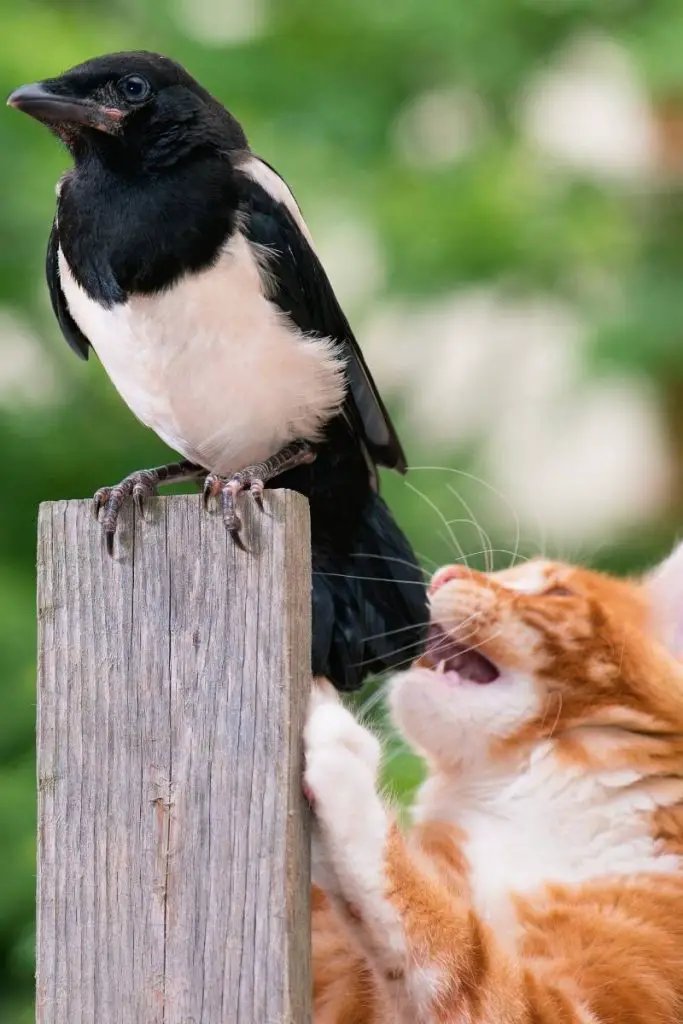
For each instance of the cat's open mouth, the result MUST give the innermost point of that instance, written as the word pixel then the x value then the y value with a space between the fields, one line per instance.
pixel 445 655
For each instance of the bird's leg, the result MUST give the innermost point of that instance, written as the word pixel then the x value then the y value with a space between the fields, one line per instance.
pixel 253 479
pixel 139 485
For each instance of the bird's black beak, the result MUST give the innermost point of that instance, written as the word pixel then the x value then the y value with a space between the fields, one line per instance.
pixel 51 108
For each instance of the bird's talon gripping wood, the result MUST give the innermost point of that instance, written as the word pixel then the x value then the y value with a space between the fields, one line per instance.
pixel 236 538
pixel 229 492
pixel 256 489
pixel 139 495
pixel 99 499
pixel 212 488
pixel 112 499
pixel 252 480
pixel 183 260
pixel 109 541
pixel 139 485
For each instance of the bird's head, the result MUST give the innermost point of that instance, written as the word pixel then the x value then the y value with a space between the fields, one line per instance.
pixel 130 109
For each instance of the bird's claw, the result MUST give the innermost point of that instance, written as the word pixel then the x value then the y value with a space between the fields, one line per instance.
pixel 228 489
pixel 212 487
pixel 252 479
pixel 99 500
pixel 256 489
pixel 139 486
pixel 112 499
pixel 107 502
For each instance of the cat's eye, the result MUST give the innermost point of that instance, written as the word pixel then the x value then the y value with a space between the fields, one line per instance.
pixel 135 88
pixel 558 591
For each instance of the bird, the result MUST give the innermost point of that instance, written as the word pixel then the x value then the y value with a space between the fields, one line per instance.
pixel 183 260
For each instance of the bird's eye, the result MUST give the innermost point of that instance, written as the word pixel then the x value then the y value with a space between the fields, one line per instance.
pixel 558 591
pixel 135 88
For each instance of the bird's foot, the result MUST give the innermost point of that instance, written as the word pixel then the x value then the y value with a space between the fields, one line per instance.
pixel 138 486
pixel 253 480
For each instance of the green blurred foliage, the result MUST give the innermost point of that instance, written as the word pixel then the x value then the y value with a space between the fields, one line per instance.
pixel 318 90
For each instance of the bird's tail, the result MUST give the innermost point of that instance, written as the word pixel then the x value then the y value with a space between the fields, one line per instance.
pixel 369 611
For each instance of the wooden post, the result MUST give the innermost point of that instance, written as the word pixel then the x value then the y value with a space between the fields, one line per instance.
pixel 173 863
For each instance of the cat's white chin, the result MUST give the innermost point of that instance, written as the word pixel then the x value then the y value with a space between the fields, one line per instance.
pixel 453 720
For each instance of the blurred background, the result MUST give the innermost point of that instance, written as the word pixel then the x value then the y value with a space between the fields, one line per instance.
pixel 496 189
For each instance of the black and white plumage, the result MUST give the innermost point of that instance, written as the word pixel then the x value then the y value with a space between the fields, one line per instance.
pixel 183 260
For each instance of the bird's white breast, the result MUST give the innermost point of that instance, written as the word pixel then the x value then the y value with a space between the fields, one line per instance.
pixel 211 365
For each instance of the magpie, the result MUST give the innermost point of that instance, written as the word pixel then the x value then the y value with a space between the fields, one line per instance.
pixel 183 260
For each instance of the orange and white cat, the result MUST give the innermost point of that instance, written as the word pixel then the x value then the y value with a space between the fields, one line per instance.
pixel 542 880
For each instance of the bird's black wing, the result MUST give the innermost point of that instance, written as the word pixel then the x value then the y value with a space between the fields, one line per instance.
pixel 70 329
pixel 300 288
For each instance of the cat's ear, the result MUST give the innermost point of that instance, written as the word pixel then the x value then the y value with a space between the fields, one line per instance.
pixel 665 585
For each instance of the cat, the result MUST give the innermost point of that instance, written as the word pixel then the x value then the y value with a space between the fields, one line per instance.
pixel 542 879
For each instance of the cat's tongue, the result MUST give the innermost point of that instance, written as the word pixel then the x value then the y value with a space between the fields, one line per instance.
pixel 445 655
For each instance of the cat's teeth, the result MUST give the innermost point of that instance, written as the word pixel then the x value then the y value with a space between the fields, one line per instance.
pixel 441 667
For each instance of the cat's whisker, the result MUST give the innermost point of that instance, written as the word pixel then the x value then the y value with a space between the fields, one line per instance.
pixel 388 632
pixel 396 750
pixel 435 508
pixel 390 558
pixel 370 703
pixel 487 550
pixel 483 535
pixel 416 646
pixel 488 486
pixel 470 621
pixel 377 579
pixel 425 558
pixel 399 666
pixel 475 647
pixel 495 551
pixel 406 662
pixel 560 702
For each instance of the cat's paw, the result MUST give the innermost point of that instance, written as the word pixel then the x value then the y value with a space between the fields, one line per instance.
pixel 342 762
pixel 333 739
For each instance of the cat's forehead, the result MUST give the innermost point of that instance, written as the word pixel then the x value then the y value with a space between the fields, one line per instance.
pixel 625 598
pixel 531 577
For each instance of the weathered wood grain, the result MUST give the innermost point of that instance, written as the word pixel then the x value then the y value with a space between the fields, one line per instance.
pixel 173 863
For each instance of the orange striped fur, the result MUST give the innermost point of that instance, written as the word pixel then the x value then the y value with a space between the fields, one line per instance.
pixel 542 879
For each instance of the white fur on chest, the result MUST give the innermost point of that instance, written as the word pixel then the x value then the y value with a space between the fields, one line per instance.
pixel 211 365
pixel 549 825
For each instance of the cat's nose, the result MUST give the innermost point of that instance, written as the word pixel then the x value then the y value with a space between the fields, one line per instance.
pixel 448 573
